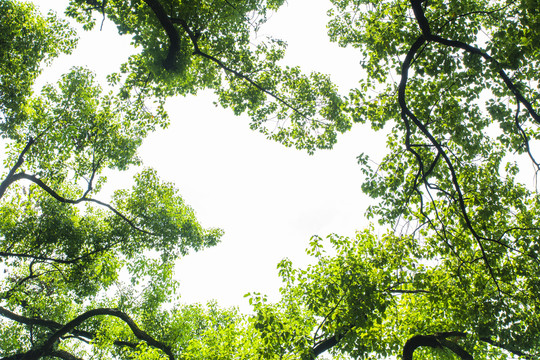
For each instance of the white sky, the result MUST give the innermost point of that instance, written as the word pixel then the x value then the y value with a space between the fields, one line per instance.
pixel 269 199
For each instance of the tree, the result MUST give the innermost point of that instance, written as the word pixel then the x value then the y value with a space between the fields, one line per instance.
pixel 63 249
pixel 455 273
pixel 463 113
pixel 380 296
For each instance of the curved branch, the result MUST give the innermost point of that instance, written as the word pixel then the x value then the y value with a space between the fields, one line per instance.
pixel 174 47
pixel 406 114
pixel 435 341
pixel 419 341
pixel 54 326
pixel 509 83
pixel 428 36
pixel 46 349
pixel 63 354
pixel 140 334
pixel 62 199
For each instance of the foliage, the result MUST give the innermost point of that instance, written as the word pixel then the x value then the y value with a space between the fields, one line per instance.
pixel 191 45
pixel 27 40
pixel 78 269
pixel 453 83
pixel 373 294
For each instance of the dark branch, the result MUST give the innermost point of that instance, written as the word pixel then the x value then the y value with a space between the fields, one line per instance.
pixel 197 51
pixel 9 178
pixel 428 36
pixel 407 115
pixel 140 334
pixel 435 341
pixel 63 354
pixel 46 349
pixel 420 17
pixel 174 47
pixel 325 345
pixel 54 326
pixel 509 83
pixel 55 260
pixel 62 199
pixel 172 33
pixel 504 347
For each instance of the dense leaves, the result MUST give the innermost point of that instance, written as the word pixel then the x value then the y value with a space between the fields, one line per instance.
pixel 27 40
pixel 186 46
pixel 453 273
pixel 73 264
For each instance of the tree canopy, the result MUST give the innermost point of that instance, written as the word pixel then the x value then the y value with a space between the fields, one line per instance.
pixel 449 269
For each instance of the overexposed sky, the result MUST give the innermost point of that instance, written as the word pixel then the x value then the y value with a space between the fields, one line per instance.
pixel 269 199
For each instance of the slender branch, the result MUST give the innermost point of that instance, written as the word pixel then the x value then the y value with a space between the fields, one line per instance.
pixel 174 47
pixel 55 260
pixel 504 347
pixel 12 177
pixel 62 199
pixel 525 138
pixel 9 178
pixel 29 321
pixel 406 115
pixel 194 36
pixel 332 311
pixel 428 36
pixel 399 291
pixel 509 83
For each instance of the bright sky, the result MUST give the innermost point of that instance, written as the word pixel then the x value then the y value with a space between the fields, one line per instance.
pixel 269 199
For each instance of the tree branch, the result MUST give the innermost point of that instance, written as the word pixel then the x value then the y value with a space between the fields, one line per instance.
pixel 438 340
pixel 46 349
pixel 140 334
pixel 54 260
pixel 62 199
pixel 9 178
pixel 172 33
pixel 504 347
pixel 197 51
pixel 63 354
pixel 325 345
